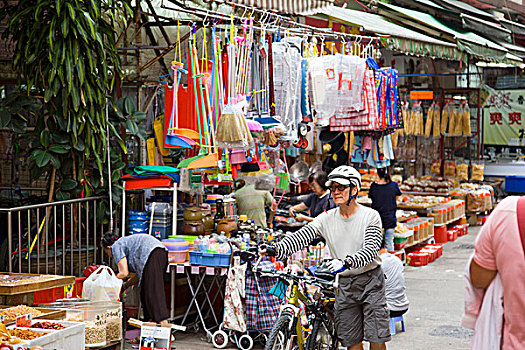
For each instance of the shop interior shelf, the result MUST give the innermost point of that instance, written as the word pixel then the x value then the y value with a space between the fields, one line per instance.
pixel 450 222
pixel 418 242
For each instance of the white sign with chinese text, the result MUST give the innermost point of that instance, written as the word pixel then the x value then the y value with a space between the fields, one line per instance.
pixel 504 122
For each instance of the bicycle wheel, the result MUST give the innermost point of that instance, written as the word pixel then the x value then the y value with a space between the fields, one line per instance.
pixel 323 336
pixel 280 334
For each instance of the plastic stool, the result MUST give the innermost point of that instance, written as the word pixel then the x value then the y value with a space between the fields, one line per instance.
pixel 393 321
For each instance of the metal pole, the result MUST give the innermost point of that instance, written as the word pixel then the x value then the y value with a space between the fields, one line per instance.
pixel 10 240
pixel 123 219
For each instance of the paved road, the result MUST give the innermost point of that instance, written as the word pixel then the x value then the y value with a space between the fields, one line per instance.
pixel 436 293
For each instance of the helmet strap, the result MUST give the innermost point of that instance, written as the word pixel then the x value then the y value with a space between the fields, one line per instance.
pixel 350 196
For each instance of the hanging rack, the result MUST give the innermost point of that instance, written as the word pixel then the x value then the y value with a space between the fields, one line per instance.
pixel 293 26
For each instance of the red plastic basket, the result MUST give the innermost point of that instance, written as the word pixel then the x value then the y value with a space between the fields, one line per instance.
pixel 418 259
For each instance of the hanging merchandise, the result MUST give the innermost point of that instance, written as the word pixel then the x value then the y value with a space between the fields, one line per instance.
pixel 416 116
pixel 445 116
pixel 430 119
pixel 286 56
pixel 465 118
pixel 436 131
pixel 405 111
pixel 458 123
pixel 336 85
pixel 232 130
pixel 452 120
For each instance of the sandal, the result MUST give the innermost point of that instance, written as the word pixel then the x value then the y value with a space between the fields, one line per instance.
pixel 134 341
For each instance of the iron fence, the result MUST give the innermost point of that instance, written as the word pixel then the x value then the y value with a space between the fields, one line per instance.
pixel 52 238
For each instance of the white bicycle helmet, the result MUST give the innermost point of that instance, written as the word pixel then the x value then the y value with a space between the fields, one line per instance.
pixel 345 175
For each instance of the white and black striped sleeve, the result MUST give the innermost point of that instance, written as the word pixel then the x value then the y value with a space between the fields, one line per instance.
pixel 371 245
pixel 298 240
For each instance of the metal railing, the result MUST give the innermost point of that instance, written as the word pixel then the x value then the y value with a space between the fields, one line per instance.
pixel 53 238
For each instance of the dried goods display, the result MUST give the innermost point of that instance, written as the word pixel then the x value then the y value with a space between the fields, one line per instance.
pixel 25 334
pixel 47 325
pixel 445 113
pixel 13 312
pixel 462 171
pixel 477 172
pixel 419 202
pixel 427 185
pixel 10 280
pixel 114 325
pixel 95 333
pixel 450 168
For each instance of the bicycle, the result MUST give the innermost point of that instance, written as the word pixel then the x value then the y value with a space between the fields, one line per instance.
pixel 288 332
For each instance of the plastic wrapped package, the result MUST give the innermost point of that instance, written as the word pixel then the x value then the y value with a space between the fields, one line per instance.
pixel 416 116
pixel 458 124
pixel 462 171
pixel 465 118
pixel 435 168
pixel 477 171
pixel 436 131
pixel 450 169
pixel 430 119
pixel 444 118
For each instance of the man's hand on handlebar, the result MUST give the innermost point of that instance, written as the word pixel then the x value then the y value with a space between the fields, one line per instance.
pixel 336 265
pixel 267 249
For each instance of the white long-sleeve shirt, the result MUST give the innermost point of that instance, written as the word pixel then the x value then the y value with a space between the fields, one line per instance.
pixel 356 239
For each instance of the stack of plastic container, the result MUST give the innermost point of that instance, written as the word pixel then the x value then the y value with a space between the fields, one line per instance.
pixel 162 219
pixel 138 222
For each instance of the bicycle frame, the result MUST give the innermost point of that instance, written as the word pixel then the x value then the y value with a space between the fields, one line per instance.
pixel 292 307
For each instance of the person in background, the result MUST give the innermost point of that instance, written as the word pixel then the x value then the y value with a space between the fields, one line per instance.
pixel 148 258
pixel 498 249
pixel 383 194
pixel 252 203
pixel 396 298
pixel 317 202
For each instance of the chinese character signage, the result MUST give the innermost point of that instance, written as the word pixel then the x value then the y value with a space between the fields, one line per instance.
pixel 504 122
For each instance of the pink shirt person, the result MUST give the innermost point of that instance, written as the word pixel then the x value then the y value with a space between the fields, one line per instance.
pixel 498 247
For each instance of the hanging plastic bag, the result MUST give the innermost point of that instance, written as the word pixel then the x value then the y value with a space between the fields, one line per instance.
pixel 444 118
pixel 436 131
pixel 417 119
pixel 465 117
pixel 458 130
pixel 102 285
pixel 430 119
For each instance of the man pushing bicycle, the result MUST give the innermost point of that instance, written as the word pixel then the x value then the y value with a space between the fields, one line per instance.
pixel 353 233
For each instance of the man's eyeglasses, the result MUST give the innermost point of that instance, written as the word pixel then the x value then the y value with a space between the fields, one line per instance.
pixel 338 187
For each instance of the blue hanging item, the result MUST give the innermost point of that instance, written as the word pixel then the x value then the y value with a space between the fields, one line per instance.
pixel 305 108
pixel 279 290
pixel 172 139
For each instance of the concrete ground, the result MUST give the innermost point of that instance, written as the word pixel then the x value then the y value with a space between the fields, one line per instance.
pixel 436 294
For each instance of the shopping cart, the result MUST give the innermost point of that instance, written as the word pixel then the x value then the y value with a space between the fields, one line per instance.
pixel 247 319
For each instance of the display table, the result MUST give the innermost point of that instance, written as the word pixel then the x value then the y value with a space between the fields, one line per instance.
pixel 202 296
pixel 18 288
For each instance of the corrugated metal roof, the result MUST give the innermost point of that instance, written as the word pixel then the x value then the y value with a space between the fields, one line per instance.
pixel 379 25
pixel 467 38
pixel 300 7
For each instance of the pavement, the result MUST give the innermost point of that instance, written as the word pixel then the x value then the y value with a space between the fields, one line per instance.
pixel 436 295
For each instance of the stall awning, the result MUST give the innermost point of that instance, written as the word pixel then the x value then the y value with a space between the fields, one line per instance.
pixel 517 28
pixel 394 36
pixel 299 7
pixel 469 42
pixel 494 30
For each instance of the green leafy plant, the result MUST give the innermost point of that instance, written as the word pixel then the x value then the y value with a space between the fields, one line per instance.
pixel 67 63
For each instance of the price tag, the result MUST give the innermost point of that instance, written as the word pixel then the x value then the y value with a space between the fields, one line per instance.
pixel 210 271
pixel 24 320
pixel 2 318
pixel 180 268
pixel 68 291
pixel 195 270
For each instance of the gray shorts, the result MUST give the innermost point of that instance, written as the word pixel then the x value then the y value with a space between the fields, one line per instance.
pixel 360 309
